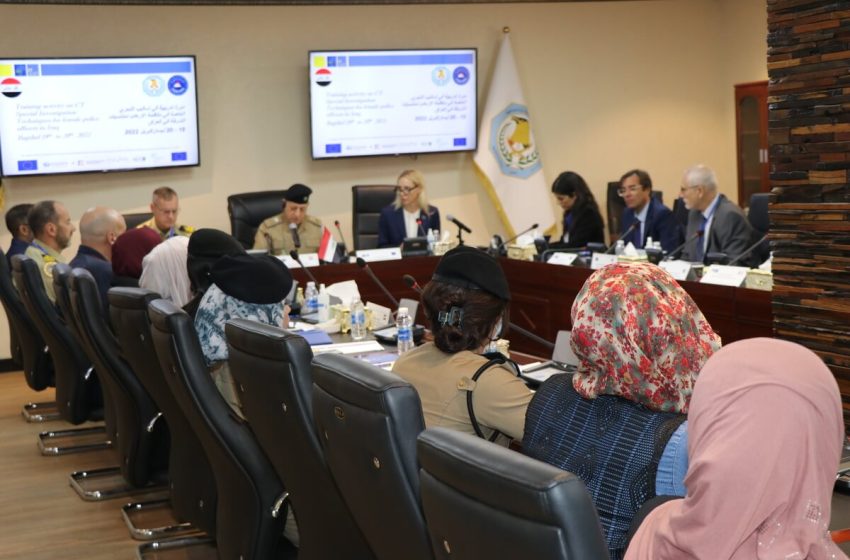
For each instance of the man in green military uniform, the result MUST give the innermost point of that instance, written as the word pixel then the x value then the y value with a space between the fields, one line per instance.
pixel 165 206
pixel 52 229
pixel 292 228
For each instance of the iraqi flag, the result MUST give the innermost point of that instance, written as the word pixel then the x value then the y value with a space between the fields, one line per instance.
pixel 327 247
pixel 10 87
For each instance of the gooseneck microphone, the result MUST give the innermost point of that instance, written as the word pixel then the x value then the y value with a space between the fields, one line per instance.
pixel 501 246
pixel 749 250
pixel 365 266
pixel 458 223
pixel 630 229
pixel 411 283
pixel 269 243
pixel 294 254
pixel 674 253
pixel 341 236
pixel 293 229
pixel 419 230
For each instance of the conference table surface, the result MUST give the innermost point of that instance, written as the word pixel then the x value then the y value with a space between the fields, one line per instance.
pixel 542 296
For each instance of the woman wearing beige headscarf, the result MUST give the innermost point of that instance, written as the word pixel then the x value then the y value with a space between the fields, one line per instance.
pixel 765 440
pixel 164 271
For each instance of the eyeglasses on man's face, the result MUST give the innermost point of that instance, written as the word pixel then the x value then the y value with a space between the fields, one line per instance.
pixel 684 188
pixel 631 189
pixel 406 190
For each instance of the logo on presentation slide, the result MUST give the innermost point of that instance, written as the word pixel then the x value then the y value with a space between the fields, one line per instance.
pixel 323 77
pixel 440 75
pixel 512 142
pixel 11 87
pixel 153 86
pixel 178 85
pixel 460 75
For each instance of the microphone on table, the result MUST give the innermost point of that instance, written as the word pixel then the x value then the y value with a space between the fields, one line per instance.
pixel 269 243
pixel 630 229
pixel 500 248
pixel 458 223
pixel 419 230
pixel 294 254
pixel 341 236
pixel 293 229
pixel 411 283
pixel 365 266
pixel 697 234
pixel 749 250
pixel 531 335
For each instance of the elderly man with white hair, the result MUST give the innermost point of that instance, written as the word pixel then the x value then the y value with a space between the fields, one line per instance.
pixel 99 228
pixel 724 227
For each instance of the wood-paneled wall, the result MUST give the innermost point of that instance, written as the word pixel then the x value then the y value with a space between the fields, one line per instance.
pixel 809 110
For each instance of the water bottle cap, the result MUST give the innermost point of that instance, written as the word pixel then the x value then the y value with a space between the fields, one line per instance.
pixel 402 311
pixel 311 283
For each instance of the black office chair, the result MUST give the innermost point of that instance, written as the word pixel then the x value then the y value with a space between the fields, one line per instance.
pixel 272 370
pixel 366 205
pixel 251 512
pixel 248 210
pixel 141 441
pixel 133 220
pixel 35 358
pixel 369 419
pixel 78 394
pixel 482 500
pixel 759 218
pixel 680 213
pixel 193 496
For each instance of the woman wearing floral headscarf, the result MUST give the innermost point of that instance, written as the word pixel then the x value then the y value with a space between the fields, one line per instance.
pixel 775 505
pixel 618 422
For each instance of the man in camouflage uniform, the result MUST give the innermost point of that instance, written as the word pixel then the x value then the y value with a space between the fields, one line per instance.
pixel 52 229
pixel 165 207
pixel 277 234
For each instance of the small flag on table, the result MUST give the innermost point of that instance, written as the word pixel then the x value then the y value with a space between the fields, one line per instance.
pixel 327 247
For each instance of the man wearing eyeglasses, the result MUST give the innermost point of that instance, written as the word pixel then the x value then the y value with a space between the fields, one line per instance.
pixel 165 206
pixel 646 216
pixel 293 228
pixel 724 227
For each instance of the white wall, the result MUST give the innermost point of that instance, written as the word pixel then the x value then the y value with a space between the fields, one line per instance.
pixel 610 86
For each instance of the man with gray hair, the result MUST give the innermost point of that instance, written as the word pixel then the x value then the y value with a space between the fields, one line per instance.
pixel 99 228
pixel 724 227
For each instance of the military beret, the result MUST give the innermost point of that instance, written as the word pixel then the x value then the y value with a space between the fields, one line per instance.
pixel 259 279
pixel 206 246
pixel 473 269
pixel 298 193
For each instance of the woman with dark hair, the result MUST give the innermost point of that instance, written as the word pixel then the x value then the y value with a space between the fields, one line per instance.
pixel 460 386
pixel 582 222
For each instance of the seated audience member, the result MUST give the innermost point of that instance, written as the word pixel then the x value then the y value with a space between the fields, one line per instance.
pixel 130 248
pixel 16 223
pixel 164 271
pixel 206 246
pixel 165 206
pixel 766 432
pixel 724 226
pixel 277 234
pixel 582 223
pixel 466 304
pixel 52 230
pixel 100 227
pixel 410 215
pixel 617 423
pixel 656 220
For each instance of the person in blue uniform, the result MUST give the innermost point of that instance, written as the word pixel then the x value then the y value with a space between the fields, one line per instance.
pixel 18 226
pixel 646 213
pixel 99 228
pixel 409 215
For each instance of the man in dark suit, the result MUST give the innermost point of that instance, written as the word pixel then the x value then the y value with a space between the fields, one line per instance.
pixel 724 226
pixel 99 228
pixel 651 217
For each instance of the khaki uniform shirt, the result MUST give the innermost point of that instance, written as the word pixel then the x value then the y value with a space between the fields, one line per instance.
pixel 183 230
pixel 500 398
pixel 309 233
pixel 46 258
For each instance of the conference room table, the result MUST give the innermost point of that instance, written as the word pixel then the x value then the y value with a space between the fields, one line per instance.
pixel 542 296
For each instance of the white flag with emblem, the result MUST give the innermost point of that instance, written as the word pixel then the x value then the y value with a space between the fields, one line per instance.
pixel 507 160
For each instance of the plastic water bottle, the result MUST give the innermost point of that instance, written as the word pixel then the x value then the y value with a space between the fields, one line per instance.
pixel 431 238
pixel 619 248
pixel 323 301
pixel 404 328
pixel 311 303
pixel 358 319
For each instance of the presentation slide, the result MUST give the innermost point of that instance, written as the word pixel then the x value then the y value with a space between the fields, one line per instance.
pixel 366 103
pixel 97 114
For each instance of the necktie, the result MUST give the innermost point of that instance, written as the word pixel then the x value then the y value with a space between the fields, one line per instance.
pixel 700 241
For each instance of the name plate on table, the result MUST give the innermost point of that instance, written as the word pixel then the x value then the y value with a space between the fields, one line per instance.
pixel 309 260
pixel 602 259
pixel 679 270
pixel 375 255
pixel 722 275
pixel 563 259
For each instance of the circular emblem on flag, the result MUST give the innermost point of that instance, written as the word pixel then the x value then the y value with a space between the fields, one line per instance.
pixel 178 85
pixel 323 77
pixel 440 75
pixel 460 75
pixel 153 86
pixel 11 87
pixel 512 142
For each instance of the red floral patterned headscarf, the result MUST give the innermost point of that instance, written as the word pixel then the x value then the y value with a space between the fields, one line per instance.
pixel 640 336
